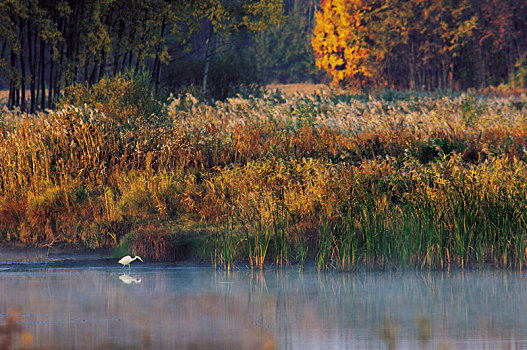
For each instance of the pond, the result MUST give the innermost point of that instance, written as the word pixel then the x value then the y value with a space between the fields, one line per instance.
pixel 87 301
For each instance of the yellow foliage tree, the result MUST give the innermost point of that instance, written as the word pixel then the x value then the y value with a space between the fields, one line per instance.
pixel 340 43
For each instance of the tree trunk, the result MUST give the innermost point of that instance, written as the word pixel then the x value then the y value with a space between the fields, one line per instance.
pixel 4 45
pixel 117 55
pixel 31 44
pixel 130 57
pixel 51 82
pixel 42 74
pixel 102 65
pixel 11 101
pixel 207 63
pixel 481 65
pixel 137 60
pixel 22 68
pixel 156 72
pixel 412 68
pixel 451 76
pixel 12 82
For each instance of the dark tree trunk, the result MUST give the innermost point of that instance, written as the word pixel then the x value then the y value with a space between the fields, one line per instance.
pixel 156 72
pixel 208 55
pixel 22 68
pixel 51 83
pixel 11 101
pixel 93 74
pixel 130 57
pixel 42 74
pixel 102 65
pixel 118 48
pixel 4 45
pixel 32 46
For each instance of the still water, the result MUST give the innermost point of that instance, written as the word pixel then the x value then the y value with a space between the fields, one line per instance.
pixel 91 302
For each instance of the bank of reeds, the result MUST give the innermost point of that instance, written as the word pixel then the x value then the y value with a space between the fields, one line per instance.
pixel 345 181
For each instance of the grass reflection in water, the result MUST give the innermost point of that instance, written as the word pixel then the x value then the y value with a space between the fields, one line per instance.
pixel 202 308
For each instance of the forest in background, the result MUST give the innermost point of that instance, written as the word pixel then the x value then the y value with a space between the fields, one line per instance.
pixel 216 48
pixel 212 45
pixel 423 44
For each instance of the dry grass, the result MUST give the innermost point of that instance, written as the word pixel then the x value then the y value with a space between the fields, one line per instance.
pixel 301 88
pixel 410 180
pixel 4 97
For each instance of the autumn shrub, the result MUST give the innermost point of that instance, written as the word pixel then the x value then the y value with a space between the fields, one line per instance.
pixel 153 243
pixel 125 98
pixel 518 78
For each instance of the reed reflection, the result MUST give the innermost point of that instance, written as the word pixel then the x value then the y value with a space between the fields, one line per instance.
pixel 200 308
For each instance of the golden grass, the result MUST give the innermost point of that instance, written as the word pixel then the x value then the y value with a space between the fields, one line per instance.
pixel 4 97
pixel 411 180
pixel 300 88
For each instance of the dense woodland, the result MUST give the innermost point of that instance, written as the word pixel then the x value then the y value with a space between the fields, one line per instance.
pixel 423 44
pixel 217 48
pixel 48 45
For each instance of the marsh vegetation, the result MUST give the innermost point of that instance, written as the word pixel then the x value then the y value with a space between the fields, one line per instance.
pixel 395 179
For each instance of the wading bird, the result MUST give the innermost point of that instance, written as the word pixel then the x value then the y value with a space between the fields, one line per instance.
pixel 127 260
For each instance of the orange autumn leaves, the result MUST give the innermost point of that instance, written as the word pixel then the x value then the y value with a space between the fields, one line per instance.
pixel 421 44
pixel 339 42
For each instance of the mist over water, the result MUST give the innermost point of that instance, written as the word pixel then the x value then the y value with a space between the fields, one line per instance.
pixel 92 302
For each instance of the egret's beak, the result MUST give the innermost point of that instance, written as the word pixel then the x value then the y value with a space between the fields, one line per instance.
pixel 140 259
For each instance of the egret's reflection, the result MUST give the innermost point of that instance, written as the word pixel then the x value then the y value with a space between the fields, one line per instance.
pixel 129 279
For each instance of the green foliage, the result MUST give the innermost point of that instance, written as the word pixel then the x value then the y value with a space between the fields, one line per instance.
pixel 230 74
pixel 283 53
pixel 228 16
pixel 519 76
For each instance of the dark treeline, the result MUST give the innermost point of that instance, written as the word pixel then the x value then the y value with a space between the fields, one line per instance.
pixel 212 46
pixel 423 44
pixel 47 45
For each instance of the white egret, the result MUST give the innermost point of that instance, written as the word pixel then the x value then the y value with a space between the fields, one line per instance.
pixel 127 260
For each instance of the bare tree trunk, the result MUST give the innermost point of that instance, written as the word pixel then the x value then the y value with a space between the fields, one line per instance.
pixel 125 58
pixel 207 64
pixel 102 65
pixel 22 67
pixel 117 55
pixel 4 45
pixel 42 74
pixel 451 76
pixel 137 61
pixel 156 72
pixel 130 57
pixel 51 82
pixel 11 101
pixel 32 44
pixel 412 68
pixel 482 80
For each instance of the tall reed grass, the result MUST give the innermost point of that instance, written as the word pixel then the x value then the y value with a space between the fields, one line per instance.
pixel 345 181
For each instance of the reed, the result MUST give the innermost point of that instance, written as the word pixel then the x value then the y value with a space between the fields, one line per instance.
pixel 345 181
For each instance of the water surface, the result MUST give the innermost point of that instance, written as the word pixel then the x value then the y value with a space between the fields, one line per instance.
pixel 89 301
